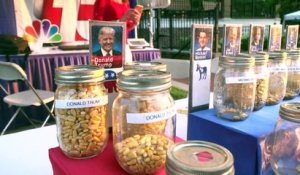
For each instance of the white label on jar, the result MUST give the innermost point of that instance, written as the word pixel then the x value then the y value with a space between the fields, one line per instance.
pixel 142 118
pixel 233 80
pixel 294 69
pixel 277 69
pixel 81 103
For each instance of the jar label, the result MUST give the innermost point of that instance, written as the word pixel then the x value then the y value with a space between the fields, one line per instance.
pixel 81 103
pixel 233 80
pixel 294 69
pixel 277 69
pixel 142 118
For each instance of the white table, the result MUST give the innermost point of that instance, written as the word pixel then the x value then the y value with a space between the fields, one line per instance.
pixel 26 152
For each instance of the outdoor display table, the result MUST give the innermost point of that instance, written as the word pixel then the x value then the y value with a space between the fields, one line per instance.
pixel 104 163
pixel 245 139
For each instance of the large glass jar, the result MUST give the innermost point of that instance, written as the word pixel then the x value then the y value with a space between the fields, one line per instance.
pixel 278 77
pixel 234 87
pixel 144 120
pixel 145 65
pixel 285 154
pixel 262 79
pixel 81 110
pixel 293 80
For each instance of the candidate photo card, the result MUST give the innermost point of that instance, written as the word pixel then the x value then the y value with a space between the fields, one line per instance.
pixel 275 35
pixel 256 41
pixel 292 37
pixel 107 44
pixel 201 55
pixel 232 39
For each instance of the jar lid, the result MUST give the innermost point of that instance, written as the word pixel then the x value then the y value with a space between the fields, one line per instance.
pixel 143 80
pixel 145 65
pixel 79 74
pixel 294 54
pixel 261 57
pixel 239 60
pixel 199 158
pixel 290 111
pixel 277 55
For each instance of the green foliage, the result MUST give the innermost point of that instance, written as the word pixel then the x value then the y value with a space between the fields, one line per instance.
pixel 177 93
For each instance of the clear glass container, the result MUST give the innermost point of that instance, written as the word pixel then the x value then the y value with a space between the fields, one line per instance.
pixel 81 110
pixel 285 154
pixel 145 65
pixel 278 77
pixel 144 120
pixel 234 87
pixel 199 157
pixel 293 80
pixel 262 79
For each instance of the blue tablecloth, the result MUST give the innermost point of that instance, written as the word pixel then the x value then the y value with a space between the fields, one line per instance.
pixel 245 139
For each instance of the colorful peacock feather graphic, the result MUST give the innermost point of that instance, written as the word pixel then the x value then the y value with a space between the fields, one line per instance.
pixel 42 30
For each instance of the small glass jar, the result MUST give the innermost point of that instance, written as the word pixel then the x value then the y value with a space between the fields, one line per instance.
pixel 262 79
pixel 234 87
pixel 285 154
pixel 144 120
pixel 278 77
pixel 81 110
pixel 199 157
pixel 145 65
pixel 293 80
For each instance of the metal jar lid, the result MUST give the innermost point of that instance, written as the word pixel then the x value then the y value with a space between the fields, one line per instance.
pixel 238 60
pixel 143 80
pixel 261 58
pixel 145 65
pixel 293 54
pixel 79 74
pixel 278 55
pixel 290 111
pixel 199 158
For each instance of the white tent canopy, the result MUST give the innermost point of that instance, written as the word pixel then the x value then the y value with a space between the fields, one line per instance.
pixel 292 16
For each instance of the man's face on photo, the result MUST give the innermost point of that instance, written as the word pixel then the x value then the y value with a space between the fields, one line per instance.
pixel 233 35
pixel 258 34
pixel 202 39
pixel 107 41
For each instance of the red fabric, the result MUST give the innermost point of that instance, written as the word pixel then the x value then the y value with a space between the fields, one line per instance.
pixel 103 164
pixel 51 13
pixel 107 10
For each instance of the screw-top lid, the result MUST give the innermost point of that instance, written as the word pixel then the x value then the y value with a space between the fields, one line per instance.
pixel 143 80
pixel 145 65
pixel 261 58
pixel 290 111
pixel 79 74
pixel 293 54
pixel 199 158
pixel 238 60
pixel 277 55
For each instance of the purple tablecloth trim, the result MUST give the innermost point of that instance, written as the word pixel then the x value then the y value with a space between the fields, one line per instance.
pixel 145 55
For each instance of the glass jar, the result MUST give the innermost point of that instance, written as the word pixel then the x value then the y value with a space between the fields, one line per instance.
pixel 234 87
pixel 145 65
pixel 199 157
pixel 285 154
pixel 293 80
pixel 144 120
pixel 262 79
pixel 81 110
pixel 278 77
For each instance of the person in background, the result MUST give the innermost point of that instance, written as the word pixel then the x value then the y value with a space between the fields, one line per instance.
pixel 106 38
pixel 117 10
pixel 256 44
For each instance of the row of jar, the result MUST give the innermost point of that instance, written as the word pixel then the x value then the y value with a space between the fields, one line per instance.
pixel 246 83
